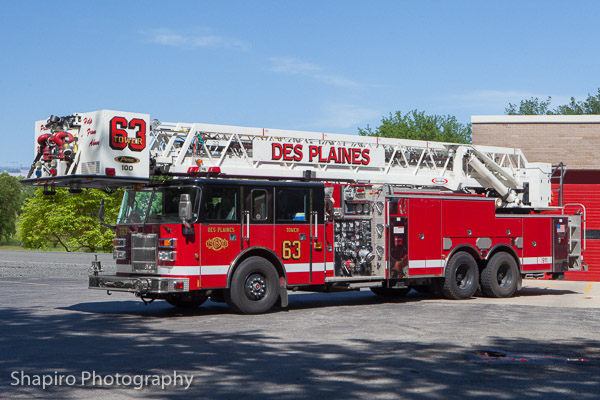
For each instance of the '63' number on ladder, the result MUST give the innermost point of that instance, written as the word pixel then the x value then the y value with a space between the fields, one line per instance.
pixel 119 138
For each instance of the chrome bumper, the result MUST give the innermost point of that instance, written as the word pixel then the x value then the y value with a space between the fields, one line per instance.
pixel 139 284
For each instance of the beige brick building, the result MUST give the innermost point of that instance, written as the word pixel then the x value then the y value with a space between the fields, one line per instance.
pixel 572 139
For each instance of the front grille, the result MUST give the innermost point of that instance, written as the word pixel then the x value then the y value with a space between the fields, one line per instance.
pixel 144 252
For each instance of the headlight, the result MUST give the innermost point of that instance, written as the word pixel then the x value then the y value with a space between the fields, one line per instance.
pixel 119 242
pixel 167 255
pixel 119 254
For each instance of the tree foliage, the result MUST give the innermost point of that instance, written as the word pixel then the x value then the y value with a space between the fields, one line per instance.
pixel 591 105
pixel 10 203
pixel 534 106
pixel 69 220
pixel 417 125
pixel 27 192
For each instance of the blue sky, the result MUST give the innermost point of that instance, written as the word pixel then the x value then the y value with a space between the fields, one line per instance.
pixel 309 65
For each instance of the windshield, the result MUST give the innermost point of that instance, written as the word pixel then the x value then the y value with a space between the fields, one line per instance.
pixel 156 205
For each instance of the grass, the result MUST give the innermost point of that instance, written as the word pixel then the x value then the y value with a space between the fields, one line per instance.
pixel 15 244
pixel 12 244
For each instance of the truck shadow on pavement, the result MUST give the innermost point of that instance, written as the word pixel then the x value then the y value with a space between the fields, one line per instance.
pixel 297 301
pixel 537 291
pixel 259 362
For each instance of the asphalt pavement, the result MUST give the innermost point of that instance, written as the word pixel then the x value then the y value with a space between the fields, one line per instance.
pixel 543 343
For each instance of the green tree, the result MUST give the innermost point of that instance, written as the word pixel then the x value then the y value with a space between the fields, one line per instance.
pixel 534 106
pixel 27 192
pixel 591 105
pixel 418 126
pixel 10 203
pixel 69 220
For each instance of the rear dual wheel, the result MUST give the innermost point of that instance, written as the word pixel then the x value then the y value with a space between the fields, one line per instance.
pixel 462 277
pixel 500 277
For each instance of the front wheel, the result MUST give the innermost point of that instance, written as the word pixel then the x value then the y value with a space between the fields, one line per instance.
pixel 500 278
pixel 254 287
pixel 462 277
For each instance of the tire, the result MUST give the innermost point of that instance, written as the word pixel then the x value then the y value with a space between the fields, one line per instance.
pixel 254 287
pixel 500 278
pixel 390 293
pixel 462 277
pixel 186 300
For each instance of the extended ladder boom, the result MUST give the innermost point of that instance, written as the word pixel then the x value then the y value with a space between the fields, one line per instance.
pixel 110 148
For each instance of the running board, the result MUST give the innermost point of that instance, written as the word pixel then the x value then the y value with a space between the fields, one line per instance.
pixel 342 279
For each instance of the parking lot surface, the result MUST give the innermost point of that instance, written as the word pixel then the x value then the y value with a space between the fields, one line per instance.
pixel 543 343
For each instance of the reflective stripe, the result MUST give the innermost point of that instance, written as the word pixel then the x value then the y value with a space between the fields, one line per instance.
pixel 164 270
pixel 297 267
pixel 220 269
pixel 416 264
pixel 178 270
pixel 223 269
pixel 536 260
pixel 435 263
pixel 214 269
pixel 421 263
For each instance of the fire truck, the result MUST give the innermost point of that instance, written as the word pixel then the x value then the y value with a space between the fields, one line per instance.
pixel 244 215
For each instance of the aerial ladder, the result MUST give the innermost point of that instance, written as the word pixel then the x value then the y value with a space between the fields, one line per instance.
pixel 111 148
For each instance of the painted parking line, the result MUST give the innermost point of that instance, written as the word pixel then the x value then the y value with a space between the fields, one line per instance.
pixel 26 283
pixel 589 287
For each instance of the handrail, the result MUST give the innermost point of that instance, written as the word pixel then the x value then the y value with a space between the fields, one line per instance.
pixel 584 219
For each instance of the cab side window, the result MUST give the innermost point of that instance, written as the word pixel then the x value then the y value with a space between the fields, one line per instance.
pixel 259 205
pixel 291 205
pixel 221 204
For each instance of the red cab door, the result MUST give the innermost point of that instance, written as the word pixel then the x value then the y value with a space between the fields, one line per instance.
pixel 298 229
pixel 220 233
pixel 257 217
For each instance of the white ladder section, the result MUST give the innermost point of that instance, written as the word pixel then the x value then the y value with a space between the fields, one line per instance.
pixel 273 153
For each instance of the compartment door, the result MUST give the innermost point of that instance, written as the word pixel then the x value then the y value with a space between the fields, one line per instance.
pixel 425 237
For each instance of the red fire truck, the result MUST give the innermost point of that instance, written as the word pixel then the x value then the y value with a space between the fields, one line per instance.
pixel 244 215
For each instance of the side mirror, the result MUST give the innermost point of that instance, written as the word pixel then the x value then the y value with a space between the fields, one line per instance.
pixel 101 217
pixel 185 208
pixel 101 211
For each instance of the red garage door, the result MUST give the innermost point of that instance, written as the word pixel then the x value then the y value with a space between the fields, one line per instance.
pixel 583 187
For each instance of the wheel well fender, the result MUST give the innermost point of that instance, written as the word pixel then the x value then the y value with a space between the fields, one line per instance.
pixel 258 251
pixel 467 248
pixel 503 247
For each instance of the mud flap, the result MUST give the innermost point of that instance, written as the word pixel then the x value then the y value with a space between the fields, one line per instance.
pixel 283 295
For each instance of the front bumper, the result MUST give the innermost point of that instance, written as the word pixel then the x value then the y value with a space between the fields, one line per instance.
pixel 140 285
